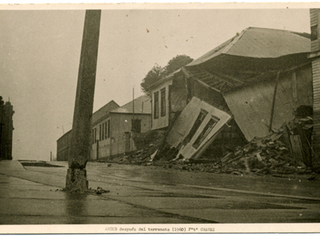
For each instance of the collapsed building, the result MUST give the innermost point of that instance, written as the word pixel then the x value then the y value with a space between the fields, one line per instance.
pixel 246 103
pixel 242 90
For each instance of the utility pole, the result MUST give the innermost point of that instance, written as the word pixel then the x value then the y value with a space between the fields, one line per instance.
pixel 76 180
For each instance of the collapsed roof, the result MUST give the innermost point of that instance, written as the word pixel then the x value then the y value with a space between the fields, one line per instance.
pixel 256 55
pixel 249 56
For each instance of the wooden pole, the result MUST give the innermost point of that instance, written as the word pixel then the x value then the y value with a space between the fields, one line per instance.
pixel 80 140
pixel 274 100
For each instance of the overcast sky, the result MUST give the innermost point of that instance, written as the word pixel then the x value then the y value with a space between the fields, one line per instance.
pixel 40 52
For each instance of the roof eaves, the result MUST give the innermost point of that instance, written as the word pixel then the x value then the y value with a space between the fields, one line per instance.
pixel 163 80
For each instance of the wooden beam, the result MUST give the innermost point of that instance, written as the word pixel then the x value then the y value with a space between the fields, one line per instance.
pixel 274 100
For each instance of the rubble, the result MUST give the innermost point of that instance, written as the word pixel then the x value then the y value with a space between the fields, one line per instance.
pixel 100 190
pixel 277 154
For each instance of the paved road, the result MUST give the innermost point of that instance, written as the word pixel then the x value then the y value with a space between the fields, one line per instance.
pixel 140 194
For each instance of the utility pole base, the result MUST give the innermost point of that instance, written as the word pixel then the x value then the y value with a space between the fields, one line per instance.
pixel 76 180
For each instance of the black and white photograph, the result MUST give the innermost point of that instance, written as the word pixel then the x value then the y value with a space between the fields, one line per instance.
pixel 159 118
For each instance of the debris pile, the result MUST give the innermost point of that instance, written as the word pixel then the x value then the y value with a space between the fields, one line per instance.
pixel 286 151
pixel 262 157
pixel 140 157
pixel 147 144
pixel 99 190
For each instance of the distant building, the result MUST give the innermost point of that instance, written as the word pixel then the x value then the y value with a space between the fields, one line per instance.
pixel 64 142
pixel 63 146
pixel 6 130
pixel 113 129
pixel 114 133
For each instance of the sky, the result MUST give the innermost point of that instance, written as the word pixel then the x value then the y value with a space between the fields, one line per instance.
pixel 40 53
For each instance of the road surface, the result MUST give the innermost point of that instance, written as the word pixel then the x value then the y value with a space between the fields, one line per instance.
pixel 153 195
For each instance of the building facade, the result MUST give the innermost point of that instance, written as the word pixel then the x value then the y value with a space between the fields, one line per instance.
pixel 113 129
pixel 63 146
pixel 115 133
pixel 6 130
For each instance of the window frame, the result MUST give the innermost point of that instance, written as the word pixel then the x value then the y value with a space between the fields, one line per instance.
pixel 205 131
pixel 156 105
pixel 163 101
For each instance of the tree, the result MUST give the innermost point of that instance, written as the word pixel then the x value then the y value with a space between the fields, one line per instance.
pixel 176 63
pixel 157 72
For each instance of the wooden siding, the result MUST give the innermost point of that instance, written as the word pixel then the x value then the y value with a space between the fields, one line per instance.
pixel 313 17
pixel 316 107
pixel 252 105
pixel 314 24
pixel 178 95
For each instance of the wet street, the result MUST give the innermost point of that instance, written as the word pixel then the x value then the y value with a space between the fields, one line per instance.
pixel 141 194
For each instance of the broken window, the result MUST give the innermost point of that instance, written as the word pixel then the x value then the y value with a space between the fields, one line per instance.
pixel 163 102
pixel 207 129
pixel 196 125
pixel 156 105
pixel 136 125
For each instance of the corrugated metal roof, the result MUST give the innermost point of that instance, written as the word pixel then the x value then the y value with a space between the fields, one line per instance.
pixel 259 43
pixel 142 104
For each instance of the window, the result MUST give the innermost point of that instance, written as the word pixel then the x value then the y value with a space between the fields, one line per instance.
pixel 163 102
pixel 109 131
pixel 156 105
pixel 205 132
pixel 136 125
pixel 105 130
pixel 196 125
pixel 100 132
pixel 94 135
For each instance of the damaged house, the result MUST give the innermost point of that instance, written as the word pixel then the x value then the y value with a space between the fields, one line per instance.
pixel 244 89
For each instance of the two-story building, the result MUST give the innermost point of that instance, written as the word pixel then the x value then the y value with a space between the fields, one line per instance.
pixel 114 133
pixel 114 129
